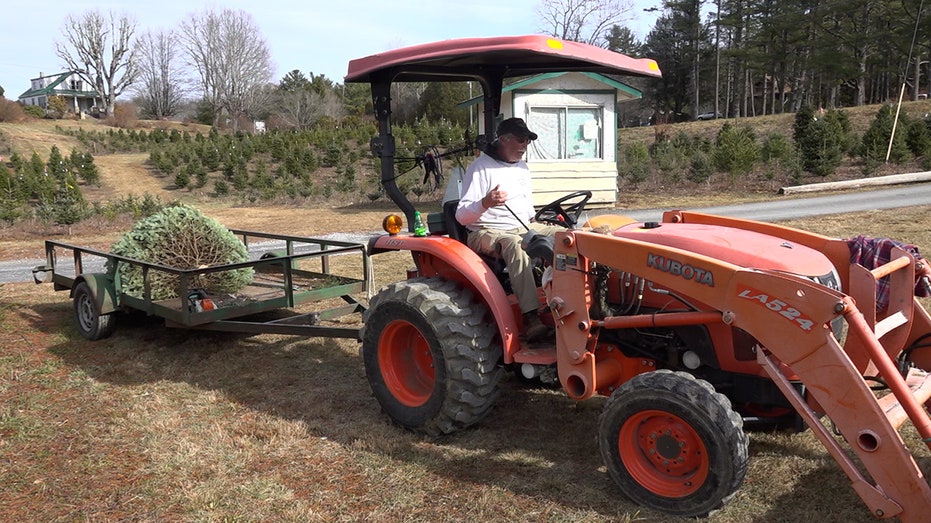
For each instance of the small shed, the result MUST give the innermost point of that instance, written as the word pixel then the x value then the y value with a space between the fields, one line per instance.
pixel 575 116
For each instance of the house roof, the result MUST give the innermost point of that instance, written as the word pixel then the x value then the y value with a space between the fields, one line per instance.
pixel 50 89
pixel 614 84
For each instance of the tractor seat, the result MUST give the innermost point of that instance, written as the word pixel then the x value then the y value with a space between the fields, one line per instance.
pixel 459 232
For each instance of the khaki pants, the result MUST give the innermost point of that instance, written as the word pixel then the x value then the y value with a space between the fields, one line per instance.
pixel 505 244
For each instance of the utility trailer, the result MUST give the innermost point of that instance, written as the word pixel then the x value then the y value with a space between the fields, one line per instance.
pixel 288 272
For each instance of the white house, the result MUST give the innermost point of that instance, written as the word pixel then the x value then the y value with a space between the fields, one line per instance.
pixel 575 116
pixel 80 96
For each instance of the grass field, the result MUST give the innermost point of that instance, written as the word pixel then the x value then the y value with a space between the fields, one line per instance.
pixel 165 425
pixel 162 425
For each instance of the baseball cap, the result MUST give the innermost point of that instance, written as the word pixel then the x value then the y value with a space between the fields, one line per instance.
pixel 517 127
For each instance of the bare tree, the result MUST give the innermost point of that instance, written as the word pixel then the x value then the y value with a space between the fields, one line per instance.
pixel 586 21
pixel 231 59
pixel 299 109
pixel 301 102
pixel 160 90
pixel 98 47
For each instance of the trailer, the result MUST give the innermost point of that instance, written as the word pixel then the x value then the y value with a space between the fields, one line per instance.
pixel 288 272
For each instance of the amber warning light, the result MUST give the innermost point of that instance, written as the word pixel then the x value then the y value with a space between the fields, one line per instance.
pixel 392 224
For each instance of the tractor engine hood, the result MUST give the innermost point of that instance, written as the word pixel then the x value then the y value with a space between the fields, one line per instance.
pixel 741 247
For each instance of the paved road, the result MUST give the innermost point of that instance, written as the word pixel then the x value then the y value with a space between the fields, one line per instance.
pixel 787 209
pixel 774 210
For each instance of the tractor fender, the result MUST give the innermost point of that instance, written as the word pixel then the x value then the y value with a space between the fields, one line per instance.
pixel 451 259
pixel 103 289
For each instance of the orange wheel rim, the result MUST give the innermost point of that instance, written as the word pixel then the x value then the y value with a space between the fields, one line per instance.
pixel 406 363
pixel 663 453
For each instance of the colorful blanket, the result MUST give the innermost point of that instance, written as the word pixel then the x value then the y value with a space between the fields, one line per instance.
pixel 874 252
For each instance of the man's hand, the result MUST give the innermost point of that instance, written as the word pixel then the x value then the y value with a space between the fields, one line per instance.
pixel 494 198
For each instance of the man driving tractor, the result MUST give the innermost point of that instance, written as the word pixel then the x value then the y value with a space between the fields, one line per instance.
pixel 496 207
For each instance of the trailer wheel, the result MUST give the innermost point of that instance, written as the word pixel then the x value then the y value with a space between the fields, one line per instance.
pixel 431 355
pixel 91 324
pixel 673 444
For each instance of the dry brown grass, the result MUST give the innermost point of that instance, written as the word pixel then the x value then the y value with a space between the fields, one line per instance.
pixel 155 424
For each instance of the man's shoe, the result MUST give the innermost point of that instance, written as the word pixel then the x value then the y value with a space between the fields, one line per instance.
pixel 535 329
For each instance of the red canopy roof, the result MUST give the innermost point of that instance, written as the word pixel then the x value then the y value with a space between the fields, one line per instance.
pixel 462 59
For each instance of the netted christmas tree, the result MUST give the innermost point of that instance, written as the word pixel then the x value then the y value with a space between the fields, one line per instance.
pixel 181 237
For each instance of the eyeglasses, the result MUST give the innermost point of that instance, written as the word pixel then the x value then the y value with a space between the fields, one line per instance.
pixel 522 141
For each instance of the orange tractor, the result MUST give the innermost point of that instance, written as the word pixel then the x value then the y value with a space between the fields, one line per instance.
pixel 691 326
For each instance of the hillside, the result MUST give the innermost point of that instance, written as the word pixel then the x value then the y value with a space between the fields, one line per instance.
pixel 860 119
pixel 125 174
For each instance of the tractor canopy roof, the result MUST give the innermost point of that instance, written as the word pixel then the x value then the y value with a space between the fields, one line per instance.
pixel 488 61
pixel 509 56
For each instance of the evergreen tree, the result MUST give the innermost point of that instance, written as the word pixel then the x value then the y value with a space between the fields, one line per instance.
pixel 821 140
pixel 875 141
pixel 57 166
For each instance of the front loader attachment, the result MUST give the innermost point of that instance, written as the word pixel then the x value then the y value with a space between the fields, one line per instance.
pixel 838 379
pixel 794 321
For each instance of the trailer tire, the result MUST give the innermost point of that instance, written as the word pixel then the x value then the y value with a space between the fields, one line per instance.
pixel 91 324
pixel 673 444
pixel 431 355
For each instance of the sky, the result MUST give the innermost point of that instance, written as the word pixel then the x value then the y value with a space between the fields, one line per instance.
pixel 313 36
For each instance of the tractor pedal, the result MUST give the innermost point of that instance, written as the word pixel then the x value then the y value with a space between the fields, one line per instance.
pixel 919 383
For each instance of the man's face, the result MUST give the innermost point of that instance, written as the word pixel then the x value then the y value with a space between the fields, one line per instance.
pixel 512 148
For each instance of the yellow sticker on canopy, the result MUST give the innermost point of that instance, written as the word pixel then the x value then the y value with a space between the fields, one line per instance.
pixel 555 44
pixel 653 65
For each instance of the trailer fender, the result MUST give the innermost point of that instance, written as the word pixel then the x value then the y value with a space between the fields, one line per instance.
pixel 102 287
pixel 451 259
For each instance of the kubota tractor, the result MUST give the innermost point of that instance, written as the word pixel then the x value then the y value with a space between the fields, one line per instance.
pixel 692 325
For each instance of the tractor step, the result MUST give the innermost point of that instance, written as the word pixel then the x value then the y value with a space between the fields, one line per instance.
pixel 545 354
pixel 919 383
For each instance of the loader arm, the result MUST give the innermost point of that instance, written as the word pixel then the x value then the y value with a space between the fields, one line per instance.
pixel 790 317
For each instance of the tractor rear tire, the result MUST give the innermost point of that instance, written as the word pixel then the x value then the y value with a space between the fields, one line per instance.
pixel 673 444
pixel 431 355
pixel 91 324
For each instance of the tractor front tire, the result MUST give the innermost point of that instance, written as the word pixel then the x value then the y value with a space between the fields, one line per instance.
pixel 431 355
pixel 91 324
pixel 673 444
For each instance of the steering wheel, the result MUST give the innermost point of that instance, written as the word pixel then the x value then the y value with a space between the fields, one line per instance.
pixel 554 213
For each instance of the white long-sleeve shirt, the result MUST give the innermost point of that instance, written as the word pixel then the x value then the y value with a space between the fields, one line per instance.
pixel 482 176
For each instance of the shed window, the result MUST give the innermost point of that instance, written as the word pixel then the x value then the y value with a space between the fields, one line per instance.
pixel 566 133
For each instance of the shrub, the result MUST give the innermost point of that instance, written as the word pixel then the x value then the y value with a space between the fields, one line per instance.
pixel 736 150
pixel 780 154
pixel 670 160
pixel 918 138
pixel 10 210
pixel 821 140
pixel 125 116
pixel 333 156
pixel 67 207
pixel 57 107
pixel 875 142
pixel 636 162
pixel 82 165
pixel 181 237
pixel 11 111
pixel 777 148
pixel 701 167
pixel 221 188
pixel 56 165
pixel 182 179
pixel 34 110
